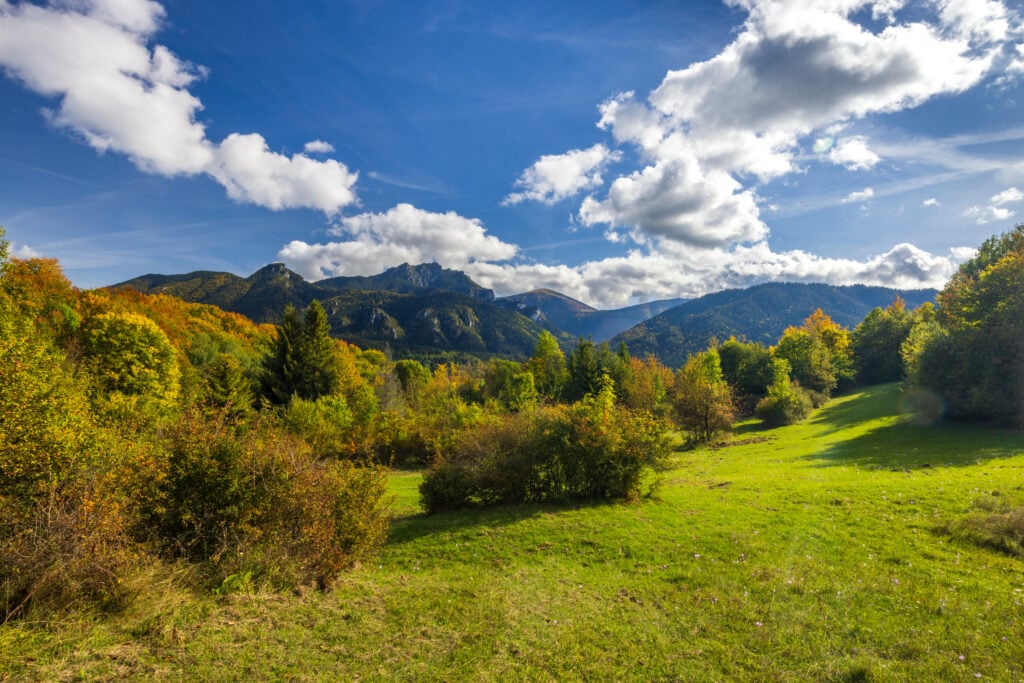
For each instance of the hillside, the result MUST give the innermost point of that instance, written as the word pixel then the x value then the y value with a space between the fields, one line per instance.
pixel 407 279
pixel 432 321
pixel 760 314
pixel 414 310
pixel 579 319
pixel 835 550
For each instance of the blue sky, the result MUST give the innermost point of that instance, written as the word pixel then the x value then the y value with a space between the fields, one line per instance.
pixel 618 152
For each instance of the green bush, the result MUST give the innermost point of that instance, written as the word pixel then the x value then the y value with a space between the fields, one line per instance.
pixel 786 403
pixel 588 451
pixel 325 423
pixel 448 486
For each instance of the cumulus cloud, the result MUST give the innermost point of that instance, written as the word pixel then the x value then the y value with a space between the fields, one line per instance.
pixel 555 177
pixel 996 211
pixel 988 214
pixel 404 234
pixel 318 147
pixel 24 251
pixel 931 201
pixel 1010 194
pixel 961 254
pixel 859 196
pixel 795 69
pixel 823 145
pixel 644 275
pixel 119 92
pixel 675 200
pixel 252 173
pixel 981 20
pixel 853 153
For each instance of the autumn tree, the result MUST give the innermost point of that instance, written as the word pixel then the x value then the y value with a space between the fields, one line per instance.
pixel 548 367
pixel 646 386
pixel 976 362
pixel 818 353
pixel 130 356
pixel 703 400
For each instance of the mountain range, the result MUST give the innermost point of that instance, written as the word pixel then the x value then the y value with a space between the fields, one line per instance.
pixel 429 311
pixel 758 314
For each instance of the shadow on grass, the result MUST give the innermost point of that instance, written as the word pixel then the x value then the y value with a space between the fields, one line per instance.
pixel 412 527
pixel 872 403
pixel 905 445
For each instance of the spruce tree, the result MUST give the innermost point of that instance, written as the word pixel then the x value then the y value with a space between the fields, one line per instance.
pixel 302 361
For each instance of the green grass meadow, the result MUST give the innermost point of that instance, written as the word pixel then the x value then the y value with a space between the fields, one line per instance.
pixel 833 550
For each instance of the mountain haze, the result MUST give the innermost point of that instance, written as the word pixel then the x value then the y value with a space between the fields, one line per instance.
pixel 758 314
pixel 579 319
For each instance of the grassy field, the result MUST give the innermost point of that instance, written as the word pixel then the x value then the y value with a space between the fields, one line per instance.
pixel 848 548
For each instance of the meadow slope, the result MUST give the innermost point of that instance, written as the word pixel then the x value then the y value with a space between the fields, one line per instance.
pixel 823 551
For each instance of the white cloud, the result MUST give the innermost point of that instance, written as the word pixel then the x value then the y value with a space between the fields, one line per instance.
pixel 403 234
pixel 795 68
pixel 555 177
pixel 853 153
pixel 982 20
pixel 23 251
pixel 674 200
pixel 1010 194
pixel 887 9
pixel 995 211
pixel 988 214
pixel 931 201
pixel 861 196
pixel 823 145
pixel 961 254
pixel 252 173
pixel 318 147
pixel 692 272
pixel 118 92
pixel 798 66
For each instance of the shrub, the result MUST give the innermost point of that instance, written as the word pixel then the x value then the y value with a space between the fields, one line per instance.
pixel 69 547
pixel 259 501
pixel 63 538
pixel 326 424
pixel 448 486
pixel 786 403
pixel 588 451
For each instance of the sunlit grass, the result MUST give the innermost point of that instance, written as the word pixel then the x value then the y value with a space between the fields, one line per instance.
pixel 819 551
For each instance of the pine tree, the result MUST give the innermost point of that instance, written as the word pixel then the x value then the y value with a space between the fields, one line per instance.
pixel 584 371
pixel 302 361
